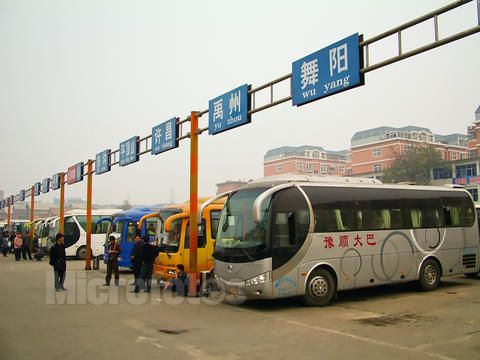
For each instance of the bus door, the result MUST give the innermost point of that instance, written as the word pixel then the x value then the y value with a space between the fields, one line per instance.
pixel 128 241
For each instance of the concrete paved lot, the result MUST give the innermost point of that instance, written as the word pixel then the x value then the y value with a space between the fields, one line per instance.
pixel 91 322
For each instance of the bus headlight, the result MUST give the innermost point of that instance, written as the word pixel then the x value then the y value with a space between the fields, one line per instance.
pixel 171 272
pixel 259 279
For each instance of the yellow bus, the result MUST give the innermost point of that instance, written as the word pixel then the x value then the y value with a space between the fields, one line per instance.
pixel 173 237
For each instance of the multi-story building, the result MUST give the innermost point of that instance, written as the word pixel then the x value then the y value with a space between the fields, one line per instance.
pixel 474 133
pixel 374 150
pixel 314 160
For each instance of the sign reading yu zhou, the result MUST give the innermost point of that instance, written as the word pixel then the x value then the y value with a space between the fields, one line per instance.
pixel 128 151
pixel 328 71
pixel 102 162
pixel 56 181
pixel 164 136
pixel 229 110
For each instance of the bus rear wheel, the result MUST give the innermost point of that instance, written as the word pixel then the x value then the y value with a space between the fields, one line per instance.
pixel 429 275
pixel 320 289
pixel 82 253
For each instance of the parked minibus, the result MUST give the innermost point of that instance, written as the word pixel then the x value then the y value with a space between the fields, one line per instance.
pixel 313 236
pixel 75 234
pixel 123 225
pixel 173 236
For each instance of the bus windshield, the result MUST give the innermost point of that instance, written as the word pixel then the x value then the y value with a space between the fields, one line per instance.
pixel 239 238
pixel 168 242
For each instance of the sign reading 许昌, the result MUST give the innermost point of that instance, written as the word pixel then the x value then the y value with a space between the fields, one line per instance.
pixel 102 162
pixel 36 189
pixel 327 71
pixel 45 185
pixel 164 136
pixel 75 173
pixel 229 110
pixel 128 151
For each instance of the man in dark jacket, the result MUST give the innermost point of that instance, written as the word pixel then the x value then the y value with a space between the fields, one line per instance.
pixel 58 261
pixel 26 247
pixel 136 259
pixel 113 252
pixel 150 253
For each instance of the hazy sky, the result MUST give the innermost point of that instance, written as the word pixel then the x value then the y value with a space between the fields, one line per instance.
pixel 77 77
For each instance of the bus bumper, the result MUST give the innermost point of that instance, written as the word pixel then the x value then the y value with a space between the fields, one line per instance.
pixel 240 290
pixel 164 273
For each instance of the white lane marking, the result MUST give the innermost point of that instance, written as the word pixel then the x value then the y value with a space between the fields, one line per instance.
pixel 372 341
pixel 152 341
pixel 448 342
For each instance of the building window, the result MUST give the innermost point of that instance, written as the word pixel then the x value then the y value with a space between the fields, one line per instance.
pixel 309 168
pixel 341 169
pixel 406 148
pixel 323 155
pixel 333 168
pixel 349 172
pixel 377 152
pixel 300 166
pixel 316 155
pixel 454 156
pixel 462 171
pixel 324 168
pixel 442 173
pixel 377 167
pixel 472 154
pixel 474 193
pixel 279 168
pixel 315 172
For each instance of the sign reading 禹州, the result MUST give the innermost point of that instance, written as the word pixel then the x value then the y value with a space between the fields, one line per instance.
pixel 327 71
pixel 102 162
pixel 75 173
pixel 45 185
pixel 164 136
pixel 229 110
pixel 128 151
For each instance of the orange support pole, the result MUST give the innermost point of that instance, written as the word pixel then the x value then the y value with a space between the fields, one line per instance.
pixel 88 265
pixel 62 202
pixel 8 215
pixel 193 203
pixel 32 217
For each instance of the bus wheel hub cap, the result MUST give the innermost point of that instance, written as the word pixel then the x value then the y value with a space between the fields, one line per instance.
pixel 318 286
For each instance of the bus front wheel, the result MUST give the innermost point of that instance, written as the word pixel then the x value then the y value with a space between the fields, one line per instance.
pixel 429 275
pixel 320 289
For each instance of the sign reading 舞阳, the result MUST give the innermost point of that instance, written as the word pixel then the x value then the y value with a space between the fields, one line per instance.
pixel 328 71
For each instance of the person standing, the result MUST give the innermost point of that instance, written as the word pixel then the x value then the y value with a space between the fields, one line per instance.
pixel 59 262
pixel 150 253
pixel 113 252
pixel 5 245
pixel 17 246
pixel 26 247
pixel 136 259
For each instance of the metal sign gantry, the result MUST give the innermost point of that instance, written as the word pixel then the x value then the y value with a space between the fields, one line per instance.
pixel 236 107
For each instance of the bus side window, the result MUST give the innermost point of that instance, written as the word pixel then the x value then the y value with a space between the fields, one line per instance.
pixel 201 240
pixel 396 219
pixel 214 222
pixel 131 231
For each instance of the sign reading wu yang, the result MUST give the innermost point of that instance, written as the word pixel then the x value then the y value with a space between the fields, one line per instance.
pixel 45 185
pixel 328 71
pixel 75 173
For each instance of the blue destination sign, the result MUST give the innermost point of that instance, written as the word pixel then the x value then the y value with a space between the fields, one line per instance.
pixel 36 189
pixel 56 181
pixel 102 162
pixel 45 185
pixel 129 151
pixel 328 71
pixel 164 136
pixel 229 110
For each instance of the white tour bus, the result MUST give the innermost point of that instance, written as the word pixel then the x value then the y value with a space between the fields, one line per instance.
pixel 75 232
pixel 313 236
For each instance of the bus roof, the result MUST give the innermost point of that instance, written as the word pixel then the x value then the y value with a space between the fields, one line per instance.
pixel 94 212
pixel 136 213
pixel 337 181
